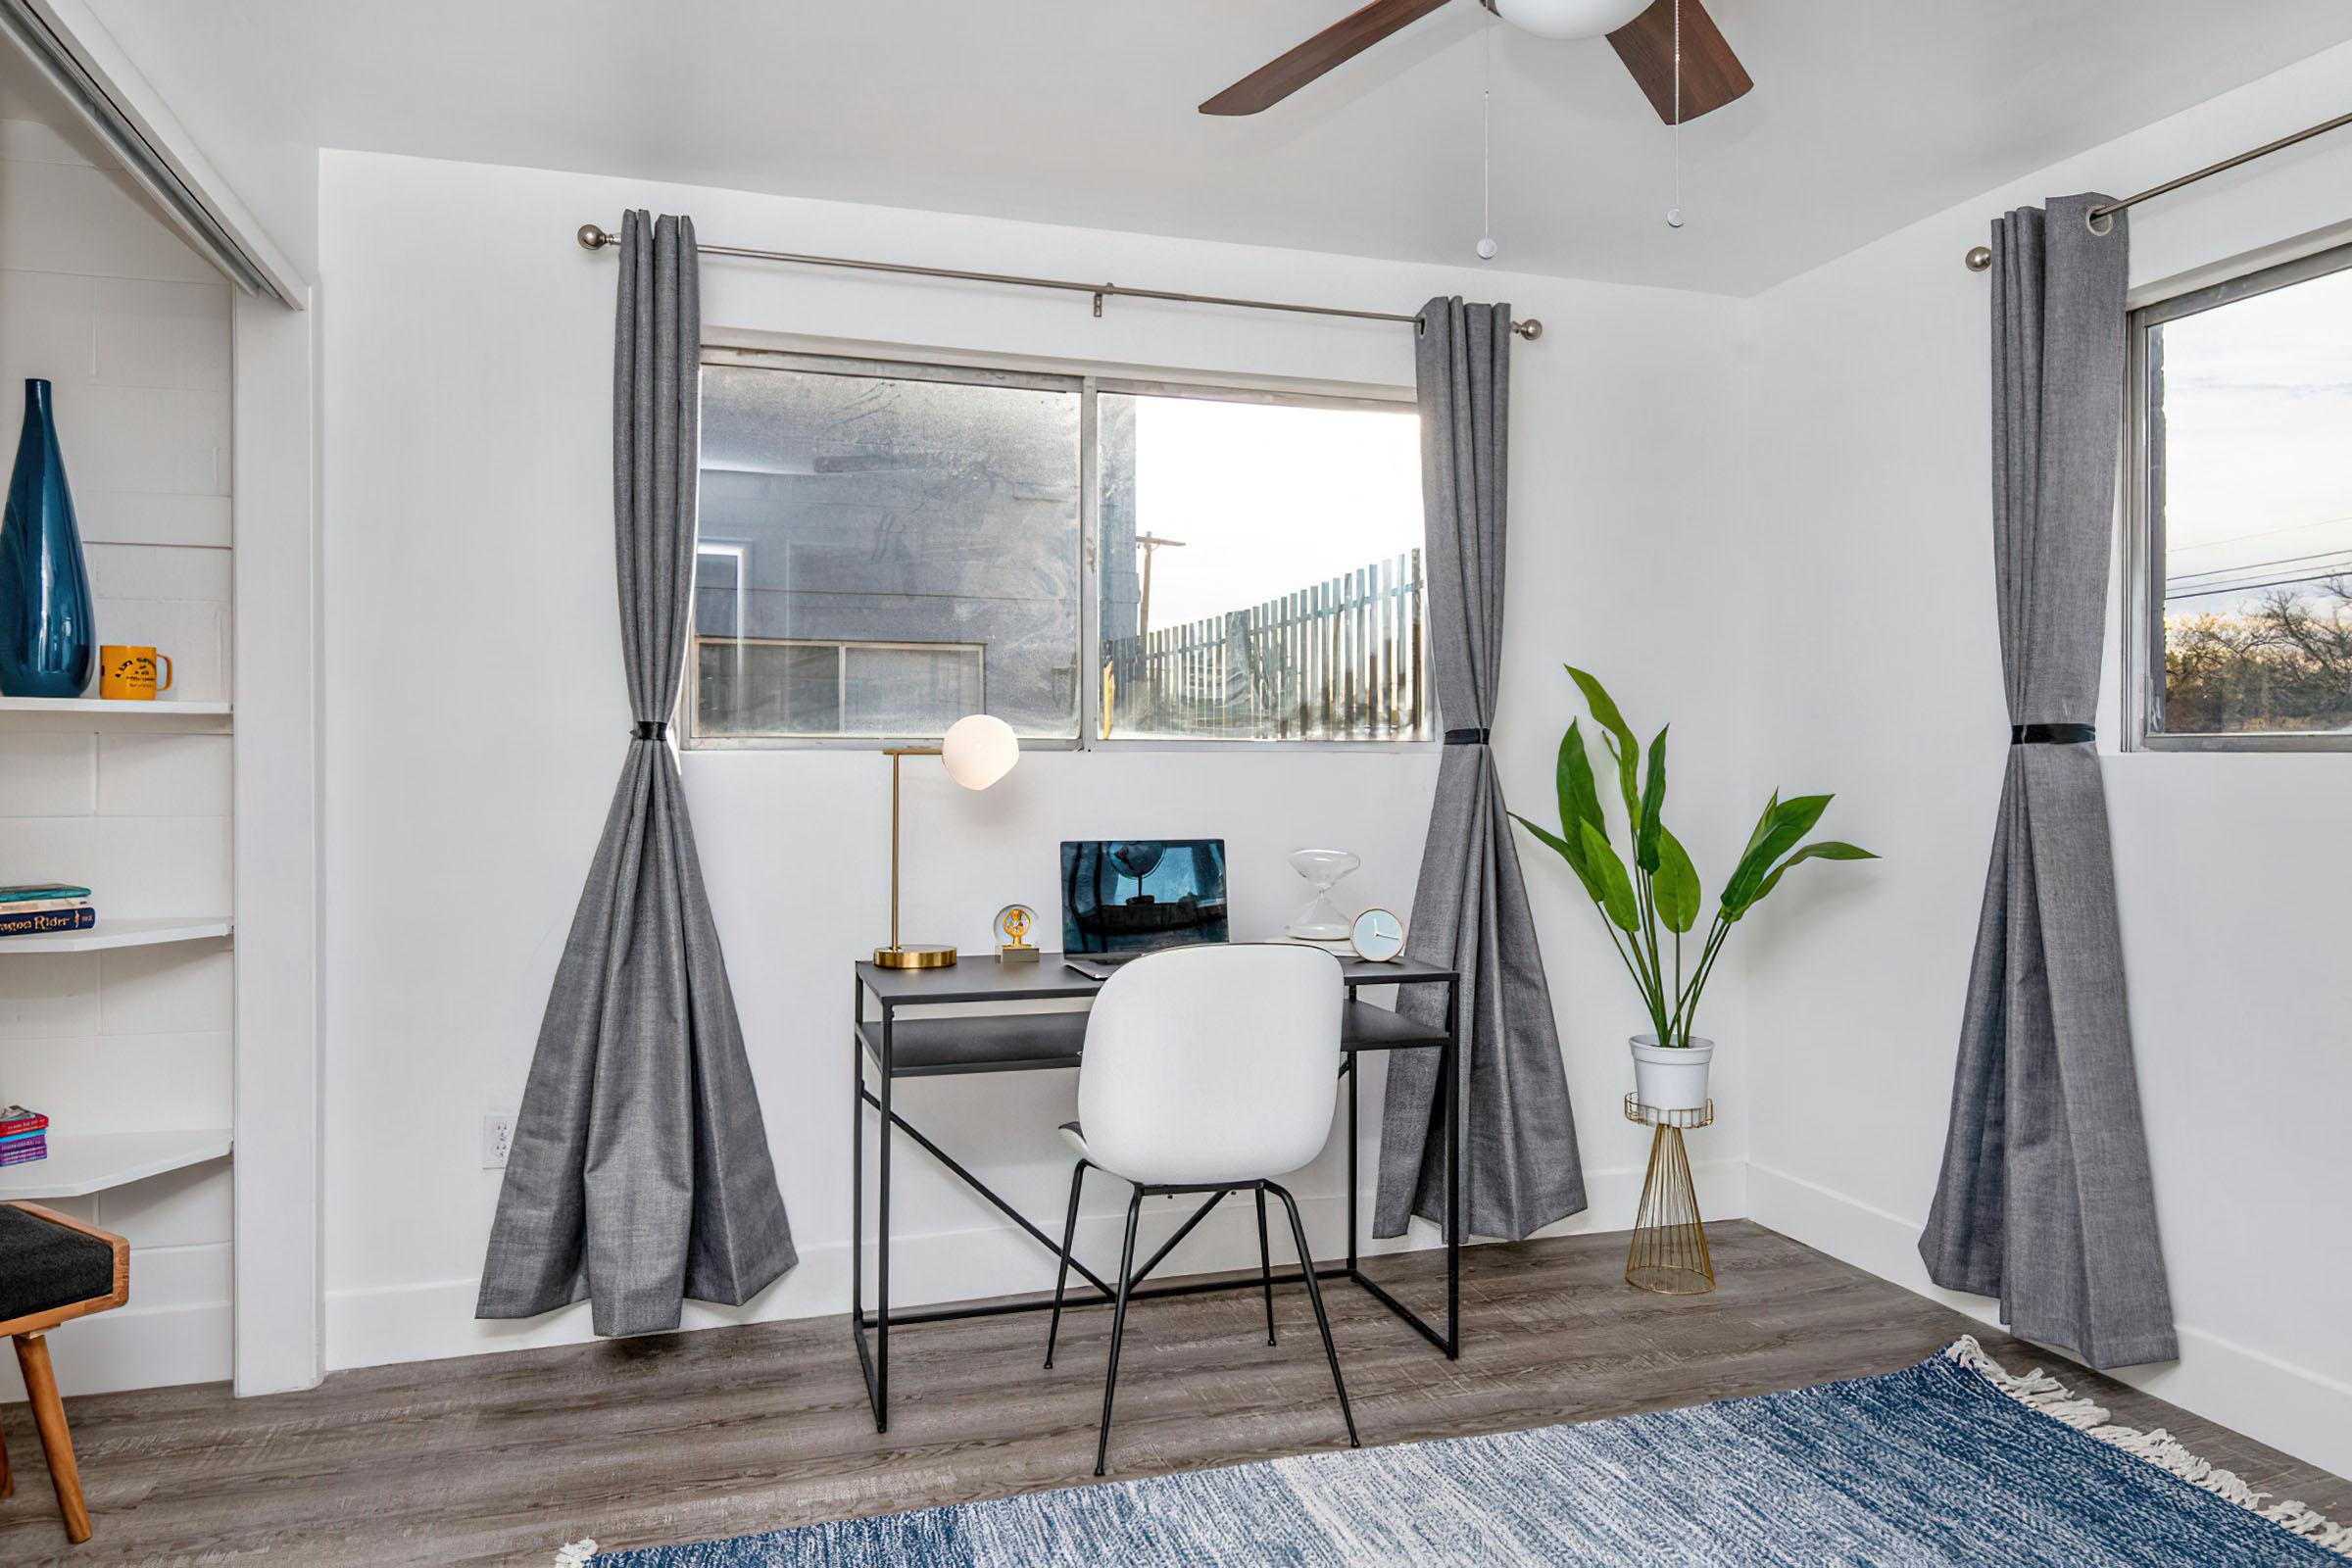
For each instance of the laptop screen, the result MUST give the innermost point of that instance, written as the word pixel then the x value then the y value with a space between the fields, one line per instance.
pixel 1135 895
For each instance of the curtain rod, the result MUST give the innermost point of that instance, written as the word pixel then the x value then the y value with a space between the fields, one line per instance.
pixel 594 238
pixel 1980 257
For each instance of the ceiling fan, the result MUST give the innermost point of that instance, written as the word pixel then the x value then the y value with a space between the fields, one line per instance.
pixel 1642 33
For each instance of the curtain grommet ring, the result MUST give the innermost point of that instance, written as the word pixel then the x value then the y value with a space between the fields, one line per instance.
pixel 2091 216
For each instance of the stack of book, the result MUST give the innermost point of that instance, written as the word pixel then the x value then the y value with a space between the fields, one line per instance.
pixel 23 1136
pixel 44 909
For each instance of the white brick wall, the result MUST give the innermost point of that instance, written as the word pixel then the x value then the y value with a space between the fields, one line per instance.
pixel 103 300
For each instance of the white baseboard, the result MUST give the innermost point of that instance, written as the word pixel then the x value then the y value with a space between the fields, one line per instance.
pixel 2292 1408
pixel 434 1320
pixel 175 1329
pixel 134 1348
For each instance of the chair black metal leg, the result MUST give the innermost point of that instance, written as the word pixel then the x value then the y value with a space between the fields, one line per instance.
pixel 1118 1328
pixel 1314 1293
pixel 1265 1262
pixel 1062 1274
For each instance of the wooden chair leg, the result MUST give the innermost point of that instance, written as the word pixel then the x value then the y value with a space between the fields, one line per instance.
pixel 8 1481
pixel 49 1415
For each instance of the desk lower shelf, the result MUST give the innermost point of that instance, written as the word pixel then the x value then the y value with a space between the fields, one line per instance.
pixel 1029 1042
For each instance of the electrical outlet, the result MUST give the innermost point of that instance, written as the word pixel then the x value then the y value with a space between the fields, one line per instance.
pixel 497 1135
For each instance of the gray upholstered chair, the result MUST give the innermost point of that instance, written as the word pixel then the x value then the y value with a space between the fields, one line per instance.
pixel 53 1270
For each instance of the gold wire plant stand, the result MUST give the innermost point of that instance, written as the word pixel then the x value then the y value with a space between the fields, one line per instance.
pixel 1669 1251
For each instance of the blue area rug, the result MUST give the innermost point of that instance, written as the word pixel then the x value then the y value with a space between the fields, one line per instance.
pixel 1949 1461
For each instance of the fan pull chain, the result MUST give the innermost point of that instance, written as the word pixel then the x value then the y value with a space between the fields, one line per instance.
pixel 1674 213
pixel 1487 248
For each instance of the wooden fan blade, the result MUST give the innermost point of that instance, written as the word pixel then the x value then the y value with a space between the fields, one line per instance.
pixel 1335 45
pixel 1712 74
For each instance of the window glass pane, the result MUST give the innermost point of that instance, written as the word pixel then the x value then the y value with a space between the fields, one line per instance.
pixel 908 691
pixel 2250 489
pixel 767 688
pixel 881 556
pixel 1262 571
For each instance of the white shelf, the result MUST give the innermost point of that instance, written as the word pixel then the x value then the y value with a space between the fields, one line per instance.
pixel 112 933
pixel 80 1163
pixel 161 707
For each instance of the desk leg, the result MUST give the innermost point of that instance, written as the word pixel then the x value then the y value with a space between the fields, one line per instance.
pixel 1454 1170
pixel 882 1143
pixel 857 1164
pixel 1352 1067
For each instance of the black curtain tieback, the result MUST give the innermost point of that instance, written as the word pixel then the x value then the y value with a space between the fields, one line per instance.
pixel 2052 734
pixel 1466 737
pixel 652 729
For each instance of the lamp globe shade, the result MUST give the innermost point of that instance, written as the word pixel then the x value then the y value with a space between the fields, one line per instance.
pixel 979 750
pixel 1569 19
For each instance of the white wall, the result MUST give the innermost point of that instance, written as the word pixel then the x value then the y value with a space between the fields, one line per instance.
pixel 1879 674
pixel 240 85
pixel 100 298
pixel 477 714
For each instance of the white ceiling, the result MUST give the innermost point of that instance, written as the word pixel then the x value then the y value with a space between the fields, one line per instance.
pixel 1867 114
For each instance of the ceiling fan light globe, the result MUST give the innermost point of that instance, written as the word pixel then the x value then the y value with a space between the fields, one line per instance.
pixel 1569 19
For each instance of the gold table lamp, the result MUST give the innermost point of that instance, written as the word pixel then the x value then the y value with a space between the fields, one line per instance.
pixel 977 750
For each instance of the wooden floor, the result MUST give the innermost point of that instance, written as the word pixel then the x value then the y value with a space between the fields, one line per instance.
pixel 500 1459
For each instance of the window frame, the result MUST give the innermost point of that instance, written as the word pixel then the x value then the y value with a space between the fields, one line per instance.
pixel 765 351
pixel 2143 522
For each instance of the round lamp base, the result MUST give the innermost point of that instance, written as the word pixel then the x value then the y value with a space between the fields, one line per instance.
pixel 914 956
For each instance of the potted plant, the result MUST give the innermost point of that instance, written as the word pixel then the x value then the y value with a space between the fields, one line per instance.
pixel 1661 889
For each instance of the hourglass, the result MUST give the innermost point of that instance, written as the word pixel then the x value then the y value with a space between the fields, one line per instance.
pixel 1321 920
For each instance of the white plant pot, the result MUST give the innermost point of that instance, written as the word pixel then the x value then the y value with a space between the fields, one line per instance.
pixel 1671 1077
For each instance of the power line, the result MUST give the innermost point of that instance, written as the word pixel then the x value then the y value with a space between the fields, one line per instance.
pixel 2260 566
pixel 2246 587
pixel 2265 533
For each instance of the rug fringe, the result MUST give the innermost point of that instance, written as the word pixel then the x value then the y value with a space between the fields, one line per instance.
pixel 2039 1390
pixel 575 1555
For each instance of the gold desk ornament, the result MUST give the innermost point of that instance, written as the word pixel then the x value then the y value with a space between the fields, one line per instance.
pixel 1014 924
pixel 977 750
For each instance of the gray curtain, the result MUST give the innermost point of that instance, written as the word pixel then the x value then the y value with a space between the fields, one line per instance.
pixel 2044 1198
pixel 1470 911
pixel 640 1173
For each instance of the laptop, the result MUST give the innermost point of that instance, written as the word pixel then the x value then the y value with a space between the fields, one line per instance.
pixel 1125 897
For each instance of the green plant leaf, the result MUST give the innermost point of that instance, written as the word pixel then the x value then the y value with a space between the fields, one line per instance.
pixel 1653 804
pixel 1616 888
pixel 1572 853
pixel 1763 824
pixel 1819 849
pixel 1579 799
pixel 1786 822
pixel 1675 889
pixel 1621 745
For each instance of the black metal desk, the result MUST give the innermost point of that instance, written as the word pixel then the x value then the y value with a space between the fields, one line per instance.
pixel 1035 1042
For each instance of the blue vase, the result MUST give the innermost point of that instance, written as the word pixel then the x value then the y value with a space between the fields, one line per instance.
pixel 46 639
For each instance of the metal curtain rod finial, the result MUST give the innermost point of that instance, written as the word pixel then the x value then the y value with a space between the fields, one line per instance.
pixel 1979 258
pixel 593 237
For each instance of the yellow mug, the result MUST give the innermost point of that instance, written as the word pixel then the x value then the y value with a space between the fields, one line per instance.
pixel 128 675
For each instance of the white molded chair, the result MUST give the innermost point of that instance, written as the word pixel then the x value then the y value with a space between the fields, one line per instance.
pixel 1206 1069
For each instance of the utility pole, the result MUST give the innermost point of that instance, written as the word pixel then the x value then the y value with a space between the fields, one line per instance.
pixel 1147 543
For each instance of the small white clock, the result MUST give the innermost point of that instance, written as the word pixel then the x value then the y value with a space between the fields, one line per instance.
pixel 1378 936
